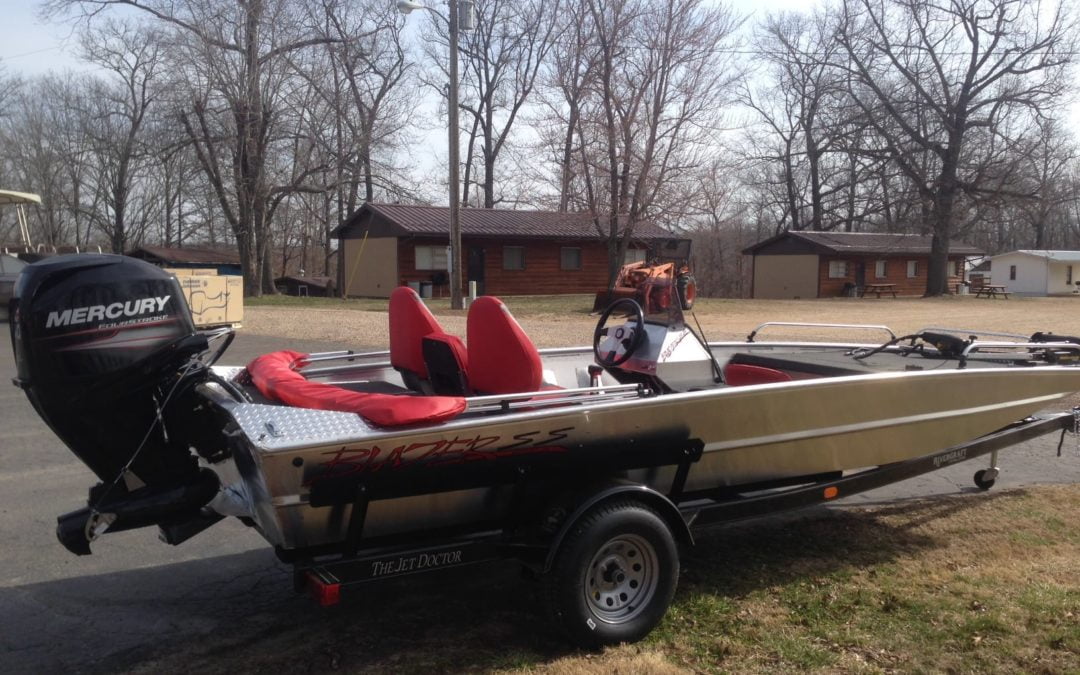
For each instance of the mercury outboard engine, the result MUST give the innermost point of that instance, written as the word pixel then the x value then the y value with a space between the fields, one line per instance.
pixel 107 353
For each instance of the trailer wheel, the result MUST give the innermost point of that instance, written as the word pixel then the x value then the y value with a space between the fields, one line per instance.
pixel 614 575
pixel 982 482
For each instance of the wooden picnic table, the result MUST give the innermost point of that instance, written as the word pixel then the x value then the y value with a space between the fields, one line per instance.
pixel 878 289
pixel 992 291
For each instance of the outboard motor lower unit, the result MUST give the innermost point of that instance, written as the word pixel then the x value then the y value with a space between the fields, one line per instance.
pixel 105 347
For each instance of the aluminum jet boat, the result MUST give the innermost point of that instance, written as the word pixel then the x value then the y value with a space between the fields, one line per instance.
pixel 586 464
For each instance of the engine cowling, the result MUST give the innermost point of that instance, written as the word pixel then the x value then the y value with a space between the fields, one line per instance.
pixel 95 338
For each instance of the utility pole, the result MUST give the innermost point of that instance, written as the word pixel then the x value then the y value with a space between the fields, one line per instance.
pixel 456 300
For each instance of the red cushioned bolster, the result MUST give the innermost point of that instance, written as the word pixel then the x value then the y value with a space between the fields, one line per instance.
pixel 502 358
pixel 274 376
pixel 742 374
pixel 410 322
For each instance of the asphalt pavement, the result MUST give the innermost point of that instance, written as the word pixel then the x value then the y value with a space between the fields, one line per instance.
pixel 136 596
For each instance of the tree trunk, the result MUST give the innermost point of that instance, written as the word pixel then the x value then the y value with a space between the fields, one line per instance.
pixel 937 275
pixel 789 179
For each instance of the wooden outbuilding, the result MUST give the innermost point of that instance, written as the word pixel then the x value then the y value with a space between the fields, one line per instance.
pixel 382 246
pixel 812 264
pixel 313 287
pixel 223 262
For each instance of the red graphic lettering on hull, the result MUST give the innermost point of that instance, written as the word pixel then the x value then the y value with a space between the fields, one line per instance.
pixel 349 461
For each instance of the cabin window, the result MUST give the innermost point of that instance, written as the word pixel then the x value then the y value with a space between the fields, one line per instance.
pixel 634 255
pixel 570 258
pixel 880 269
pixel 1012 272
pixel 837 269
pixel 957 268
pixel 513 257
pixel 912 269
pixel 431 258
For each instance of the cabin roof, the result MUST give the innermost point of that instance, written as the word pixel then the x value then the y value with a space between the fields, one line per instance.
pixel 869 243
pixel 186 256
pixel 412 220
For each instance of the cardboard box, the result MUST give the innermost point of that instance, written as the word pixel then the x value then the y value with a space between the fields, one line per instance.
pixel 191 272
pixel 214 300
pixel 234 308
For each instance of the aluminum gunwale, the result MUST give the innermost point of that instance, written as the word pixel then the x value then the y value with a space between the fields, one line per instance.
pixel 586 408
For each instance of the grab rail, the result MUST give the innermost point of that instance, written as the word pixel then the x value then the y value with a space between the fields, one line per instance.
pixel 347 355
pixel 979 346
pixel 308 371
pixel 967 332
pixel 798 324
pixel 536 399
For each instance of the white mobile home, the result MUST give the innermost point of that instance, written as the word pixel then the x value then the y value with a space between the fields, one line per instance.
pixel 1030 272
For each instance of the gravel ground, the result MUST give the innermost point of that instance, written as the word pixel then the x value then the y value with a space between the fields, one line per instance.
pixel 720 319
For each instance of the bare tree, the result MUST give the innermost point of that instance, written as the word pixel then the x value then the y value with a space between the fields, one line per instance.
pixel 114 121
pixel 362 80
pixel 232 59
pixel 501 56
pixel 661 81
pixel 44 151
pixel 566 82
pixel 929 73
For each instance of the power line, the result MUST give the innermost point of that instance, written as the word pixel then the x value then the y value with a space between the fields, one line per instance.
pixel 36 51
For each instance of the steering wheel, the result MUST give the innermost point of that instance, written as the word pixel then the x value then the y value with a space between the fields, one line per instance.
pixel 628 338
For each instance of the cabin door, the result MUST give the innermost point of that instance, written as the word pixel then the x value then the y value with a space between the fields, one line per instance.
pixel 860 274
pixel 475 269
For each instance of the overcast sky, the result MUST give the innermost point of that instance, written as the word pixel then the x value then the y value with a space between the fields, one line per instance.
pixel 29 46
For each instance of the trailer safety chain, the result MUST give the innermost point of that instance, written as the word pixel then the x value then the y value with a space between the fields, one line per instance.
pixel 94 508
pixel 160 418
pixel 1075 431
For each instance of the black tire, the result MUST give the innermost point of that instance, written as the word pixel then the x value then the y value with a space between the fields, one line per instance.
pixel 613 576
pixel 981 481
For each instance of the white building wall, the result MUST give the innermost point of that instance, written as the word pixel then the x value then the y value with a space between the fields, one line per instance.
pixel 1057 281
pixel 1031 273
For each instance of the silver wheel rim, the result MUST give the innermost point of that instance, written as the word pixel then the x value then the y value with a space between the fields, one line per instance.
pixel 621 578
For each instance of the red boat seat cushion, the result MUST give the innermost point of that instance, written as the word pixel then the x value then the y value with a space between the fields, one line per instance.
pixel 742 374
pixel 276 378
pixel 502 358
pixel 410 322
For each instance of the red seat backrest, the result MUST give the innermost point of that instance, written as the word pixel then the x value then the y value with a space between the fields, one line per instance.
pixel 502 358
pixel 410 322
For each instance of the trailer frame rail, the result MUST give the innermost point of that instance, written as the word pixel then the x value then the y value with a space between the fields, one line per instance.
pixel 326 576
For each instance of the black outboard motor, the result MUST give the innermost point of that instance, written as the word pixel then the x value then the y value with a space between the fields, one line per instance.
pixel 106 349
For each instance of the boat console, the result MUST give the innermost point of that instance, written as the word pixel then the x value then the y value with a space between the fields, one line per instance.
pixel 655 345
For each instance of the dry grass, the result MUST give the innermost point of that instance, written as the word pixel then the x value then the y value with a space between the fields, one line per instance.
pixel 563 320
pixel 624 660
pixel 974 583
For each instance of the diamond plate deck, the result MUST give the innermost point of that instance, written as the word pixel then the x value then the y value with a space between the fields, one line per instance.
pixel 272 427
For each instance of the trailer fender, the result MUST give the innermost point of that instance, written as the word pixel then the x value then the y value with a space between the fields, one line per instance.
pixel 642 493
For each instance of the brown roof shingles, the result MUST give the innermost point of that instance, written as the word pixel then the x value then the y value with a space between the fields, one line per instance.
pixel 867 242
pixel 194 255
pixel 435 221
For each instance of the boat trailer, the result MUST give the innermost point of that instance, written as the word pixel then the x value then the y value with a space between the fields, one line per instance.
pixel 362 561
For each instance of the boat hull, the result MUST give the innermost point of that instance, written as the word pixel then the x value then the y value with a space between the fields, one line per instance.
pixel 749 434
